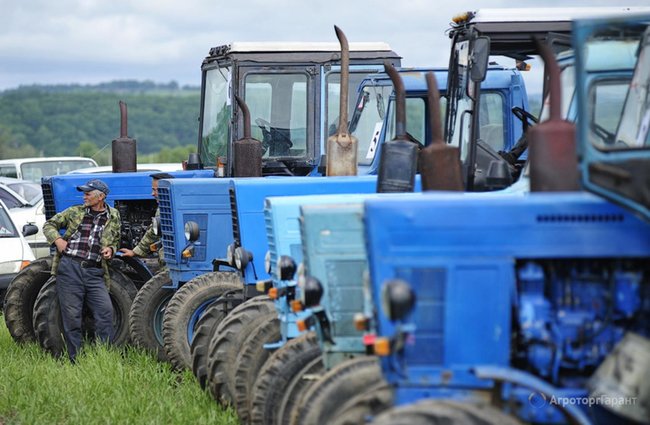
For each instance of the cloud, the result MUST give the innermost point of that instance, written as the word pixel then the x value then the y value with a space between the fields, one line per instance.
pixel 67 41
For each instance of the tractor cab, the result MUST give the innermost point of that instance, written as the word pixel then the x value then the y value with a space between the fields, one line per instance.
pixel 292 92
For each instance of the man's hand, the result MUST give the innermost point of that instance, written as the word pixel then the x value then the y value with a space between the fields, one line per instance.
pixel 127 252
pixel 107 253
pixel 61 244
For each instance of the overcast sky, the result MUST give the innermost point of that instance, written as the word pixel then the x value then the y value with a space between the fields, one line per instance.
pixel 93 41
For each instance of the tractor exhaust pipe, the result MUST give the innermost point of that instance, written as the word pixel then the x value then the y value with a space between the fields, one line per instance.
pixel 440 165
pixel 399 157
pixel 124 154
pixel 552 144
pixel 247 151
pixel 342 147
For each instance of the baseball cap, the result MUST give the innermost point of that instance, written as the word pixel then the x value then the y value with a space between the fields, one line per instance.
pixel 94 184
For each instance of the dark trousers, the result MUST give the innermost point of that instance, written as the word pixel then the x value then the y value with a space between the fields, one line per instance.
pixel 76 285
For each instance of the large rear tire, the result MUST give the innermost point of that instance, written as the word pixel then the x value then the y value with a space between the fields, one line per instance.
pixel 324 401
pixel 146 315
pixel 186 307
pixel 274 383
pixel 431 412
pixel 251 358
pixel 21 296
pixel 205 329
pixel 225 343
pixel 47 314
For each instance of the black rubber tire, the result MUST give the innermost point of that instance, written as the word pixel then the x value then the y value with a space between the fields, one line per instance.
pixel 18 307
pixel 145 317
pixel 205 329
pixel 370 402
pixel 47 314
pixel 250 360
pixel 430 412
pixel 183 306
pixel 275 378
pixel 323 401
pixel 225 343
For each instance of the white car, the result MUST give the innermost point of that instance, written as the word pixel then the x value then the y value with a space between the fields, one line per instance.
pixel 15 252
pixel 24 200
pixel 34 168
pixel 153 167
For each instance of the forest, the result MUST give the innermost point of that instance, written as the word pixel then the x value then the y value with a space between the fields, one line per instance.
pixel 61 120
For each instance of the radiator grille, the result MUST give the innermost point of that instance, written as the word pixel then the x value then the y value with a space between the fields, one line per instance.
pixel 48 199
pixel 167 224
pixel 580 218
pixel 235 217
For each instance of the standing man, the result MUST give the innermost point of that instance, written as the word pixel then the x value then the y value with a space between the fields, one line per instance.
pixel 143 248
pixel 90 239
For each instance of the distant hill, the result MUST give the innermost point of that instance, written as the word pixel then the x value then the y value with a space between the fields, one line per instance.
pixel 72 119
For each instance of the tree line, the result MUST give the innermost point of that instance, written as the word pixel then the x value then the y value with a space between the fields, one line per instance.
pixel 62 120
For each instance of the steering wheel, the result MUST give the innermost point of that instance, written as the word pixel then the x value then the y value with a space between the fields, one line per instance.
pixel 265 126
pixel 524 116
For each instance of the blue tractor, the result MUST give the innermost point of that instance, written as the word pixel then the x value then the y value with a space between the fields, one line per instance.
pixel 335 398
pixel 550 326
pixel 291 91
pixel 270 401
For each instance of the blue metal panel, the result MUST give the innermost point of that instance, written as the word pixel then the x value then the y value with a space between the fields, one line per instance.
pixel 250 195
pixel 202 200
pixel 122 186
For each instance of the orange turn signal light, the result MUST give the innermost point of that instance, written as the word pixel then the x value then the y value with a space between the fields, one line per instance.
pixel 360 322
pixel 296 306
pixel 382 346
pixel 273 293
pixel 302 326
pixel 153 247
pixel 187 253
pixel 24 264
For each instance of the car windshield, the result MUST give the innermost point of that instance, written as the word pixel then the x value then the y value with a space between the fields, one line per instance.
pixel 7 228
pixel 35 170
pixel 31 192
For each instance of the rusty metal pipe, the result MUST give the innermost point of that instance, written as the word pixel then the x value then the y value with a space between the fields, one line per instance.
pixel 553 72
pixel 345 80
pixel 246 116
pixel 433 96
pixel 400 101
pixel 123 121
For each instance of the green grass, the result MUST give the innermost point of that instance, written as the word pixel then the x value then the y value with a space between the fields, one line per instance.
pixel 107 386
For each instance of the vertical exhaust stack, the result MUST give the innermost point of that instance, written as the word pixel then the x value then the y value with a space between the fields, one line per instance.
pixel 552 144
pixel 342 147
pixel 399 157
pixel 247 151
pixel 123 150
pixel 439 163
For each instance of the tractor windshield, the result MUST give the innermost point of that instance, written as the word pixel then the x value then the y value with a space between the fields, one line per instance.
pixel 367 119
pixel 216 112
pixel 634 128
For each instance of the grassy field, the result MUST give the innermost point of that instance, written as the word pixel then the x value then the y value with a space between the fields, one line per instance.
pixel 106 386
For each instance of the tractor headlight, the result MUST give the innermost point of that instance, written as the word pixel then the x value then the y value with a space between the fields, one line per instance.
pixel 230 255
pixel 242 258
pixel 286 268
pixel 155 226
pixel 311 291
pixel 267 262
pixel 191 231
pixel 397 299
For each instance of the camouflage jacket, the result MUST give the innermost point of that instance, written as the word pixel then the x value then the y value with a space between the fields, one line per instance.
pixel 143 248
pixel 70 219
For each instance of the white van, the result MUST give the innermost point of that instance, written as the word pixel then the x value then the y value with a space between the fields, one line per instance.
pixel 35 168
pixel 15 253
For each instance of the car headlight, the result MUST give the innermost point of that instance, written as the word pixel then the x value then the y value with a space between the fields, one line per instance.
pixel 397 299
pixel 9 267
pixel 191 231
